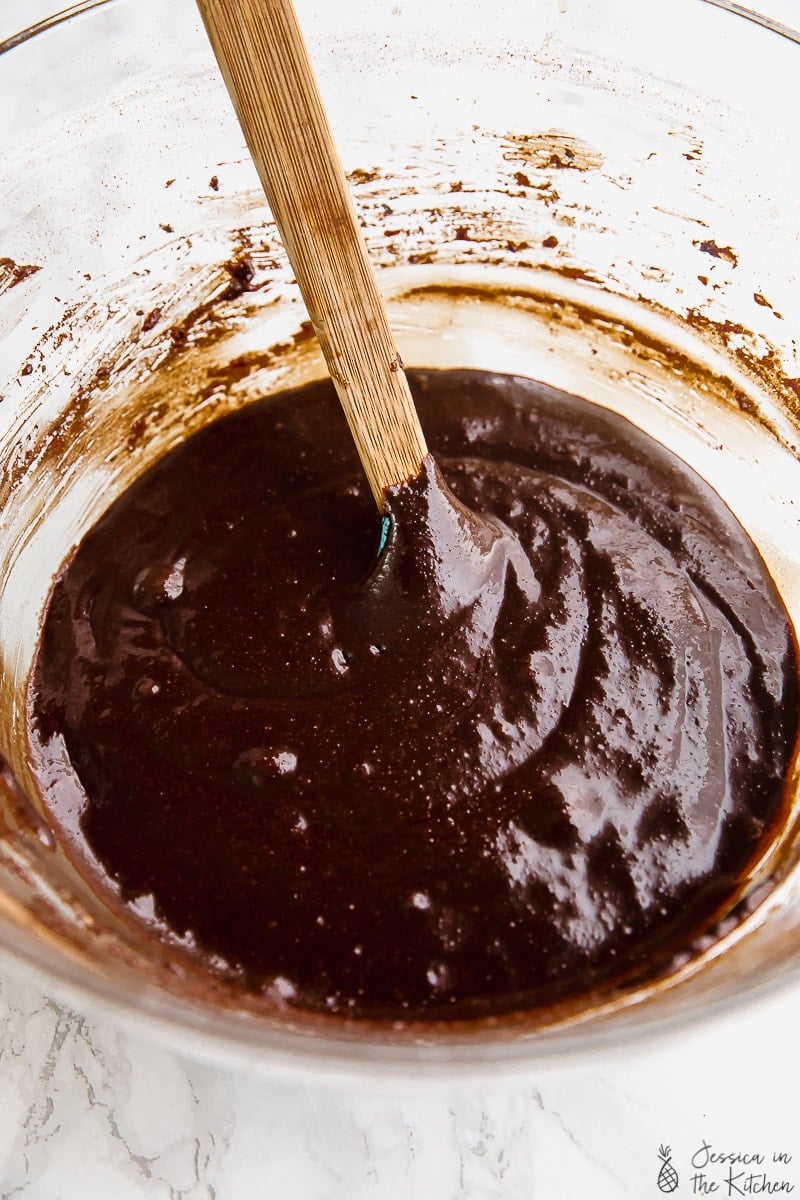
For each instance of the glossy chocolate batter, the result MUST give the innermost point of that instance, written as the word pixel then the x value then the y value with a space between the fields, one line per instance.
pixel 507 758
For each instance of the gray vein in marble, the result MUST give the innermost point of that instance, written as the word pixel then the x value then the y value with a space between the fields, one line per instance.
pixel 627 1188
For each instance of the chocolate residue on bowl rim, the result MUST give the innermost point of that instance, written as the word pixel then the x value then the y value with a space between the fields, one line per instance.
pixel 13 273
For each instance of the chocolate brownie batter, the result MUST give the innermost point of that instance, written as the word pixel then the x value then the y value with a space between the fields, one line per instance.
pixel 519 739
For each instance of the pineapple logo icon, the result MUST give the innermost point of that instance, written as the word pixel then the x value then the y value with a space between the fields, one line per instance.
pixel 667 1176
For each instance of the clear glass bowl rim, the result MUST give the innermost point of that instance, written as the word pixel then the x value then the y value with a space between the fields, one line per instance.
pixel 87 6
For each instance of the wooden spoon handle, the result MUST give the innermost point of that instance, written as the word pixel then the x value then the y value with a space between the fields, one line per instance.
pixel 263 58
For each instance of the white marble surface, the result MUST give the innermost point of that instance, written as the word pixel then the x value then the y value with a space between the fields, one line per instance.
pixel 92 1111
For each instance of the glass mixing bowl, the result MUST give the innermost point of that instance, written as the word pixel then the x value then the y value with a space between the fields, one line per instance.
pixel 595 193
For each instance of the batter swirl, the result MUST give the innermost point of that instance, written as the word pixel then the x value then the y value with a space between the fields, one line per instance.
pixel 528 749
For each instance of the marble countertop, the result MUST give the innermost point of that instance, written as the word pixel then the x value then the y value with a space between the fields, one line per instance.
pixel 91 1110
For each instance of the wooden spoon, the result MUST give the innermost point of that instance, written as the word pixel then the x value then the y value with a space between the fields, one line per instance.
pixel 263 58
